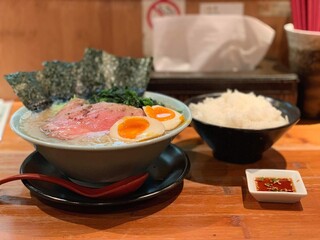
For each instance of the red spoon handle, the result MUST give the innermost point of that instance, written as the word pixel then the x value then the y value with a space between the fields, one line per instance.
pixel 117 189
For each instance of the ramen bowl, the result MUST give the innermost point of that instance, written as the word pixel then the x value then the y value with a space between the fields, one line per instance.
pixel 104 163
pixel 237 145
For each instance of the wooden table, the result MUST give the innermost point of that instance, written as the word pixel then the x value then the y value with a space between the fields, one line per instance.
pixel 213 202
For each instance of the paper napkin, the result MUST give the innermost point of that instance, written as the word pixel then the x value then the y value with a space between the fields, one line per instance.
pixel 5 107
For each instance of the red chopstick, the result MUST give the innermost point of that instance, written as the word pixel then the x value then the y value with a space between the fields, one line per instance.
pixel 306 14
pixel 296 17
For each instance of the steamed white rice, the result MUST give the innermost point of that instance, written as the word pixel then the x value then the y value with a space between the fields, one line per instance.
pixel 235 109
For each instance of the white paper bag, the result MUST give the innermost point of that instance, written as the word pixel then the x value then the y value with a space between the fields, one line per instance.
pixel 208 43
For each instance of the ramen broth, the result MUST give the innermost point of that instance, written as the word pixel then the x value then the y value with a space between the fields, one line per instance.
pixel 31 123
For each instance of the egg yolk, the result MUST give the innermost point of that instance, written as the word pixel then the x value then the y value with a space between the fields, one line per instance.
pixel 159 113
pixel 132 127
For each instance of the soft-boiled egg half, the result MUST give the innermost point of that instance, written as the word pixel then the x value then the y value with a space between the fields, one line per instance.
pixel 136 129
pixel 169 117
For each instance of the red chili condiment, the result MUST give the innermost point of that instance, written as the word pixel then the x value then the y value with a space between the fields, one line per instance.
pixel 274 184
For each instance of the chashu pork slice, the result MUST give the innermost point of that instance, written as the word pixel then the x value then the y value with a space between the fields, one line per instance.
pixel 78 118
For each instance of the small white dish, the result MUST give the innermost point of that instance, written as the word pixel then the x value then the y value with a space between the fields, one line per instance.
pixel 275 196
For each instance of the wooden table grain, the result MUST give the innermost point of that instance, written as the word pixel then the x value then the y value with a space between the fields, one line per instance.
pixel 212 203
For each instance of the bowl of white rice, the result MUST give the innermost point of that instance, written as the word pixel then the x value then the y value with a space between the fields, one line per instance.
pixel 240 126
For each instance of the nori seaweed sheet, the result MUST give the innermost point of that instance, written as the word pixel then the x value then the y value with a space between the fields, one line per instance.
pixel 89 77
pixel 60 81
pixel 28 87
pixel 122 72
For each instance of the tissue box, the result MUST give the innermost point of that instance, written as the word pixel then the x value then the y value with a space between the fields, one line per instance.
pixel 223 42
pixel 268 79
